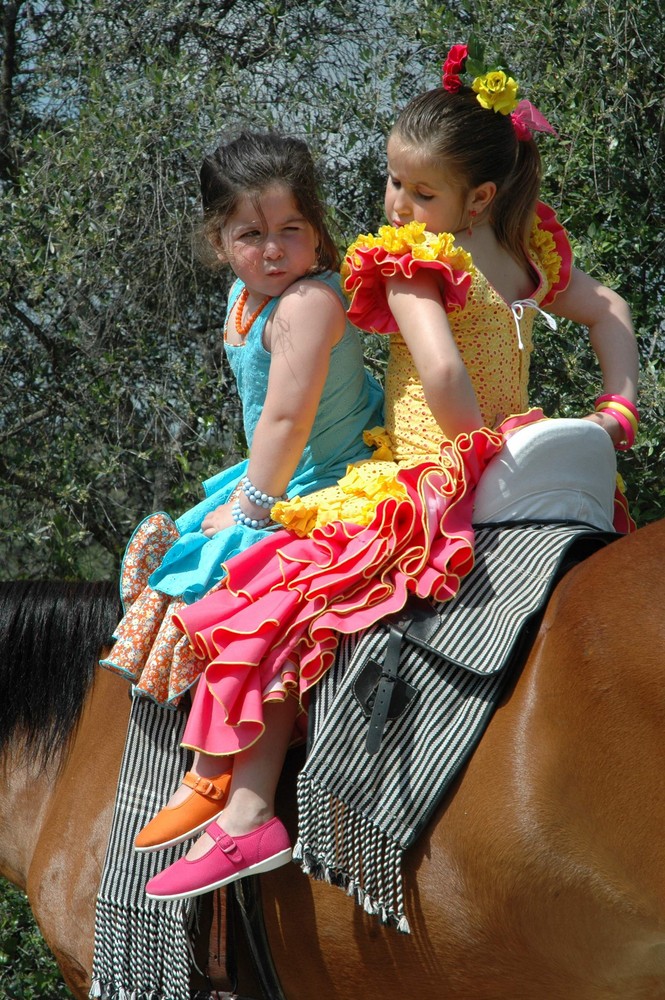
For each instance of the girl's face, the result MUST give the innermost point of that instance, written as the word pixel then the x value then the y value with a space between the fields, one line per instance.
pixel 268 242
pixel 418 190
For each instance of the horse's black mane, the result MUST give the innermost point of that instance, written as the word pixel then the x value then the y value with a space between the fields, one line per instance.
pixel 51 634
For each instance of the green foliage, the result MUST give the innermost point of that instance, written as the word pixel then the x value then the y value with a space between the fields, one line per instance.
pixel 27 968
pixel 116 400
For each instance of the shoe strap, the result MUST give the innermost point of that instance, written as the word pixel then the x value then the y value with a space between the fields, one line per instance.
pixel 225 843
pixel 210 788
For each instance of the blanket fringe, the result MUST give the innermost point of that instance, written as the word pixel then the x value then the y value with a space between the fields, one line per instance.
pixel 142 948
pixel 334 843
pixel 142 935
pixel 113 993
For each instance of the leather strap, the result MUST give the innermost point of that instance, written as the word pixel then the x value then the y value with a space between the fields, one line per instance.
pixel 246 897
pixel 384 690
pixel 225 843
pixel 210 788
pixel 214 947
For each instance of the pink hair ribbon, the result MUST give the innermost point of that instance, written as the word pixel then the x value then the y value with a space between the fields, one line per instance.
pixel 528 119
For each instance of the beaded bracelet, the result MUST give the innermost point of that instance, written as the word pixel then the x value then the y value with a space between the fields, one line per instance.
pixel 257 497
pixel 248 522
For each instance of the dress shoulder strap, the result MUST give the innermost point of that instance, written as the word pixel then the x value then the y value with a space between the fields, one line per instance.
pixel 334 281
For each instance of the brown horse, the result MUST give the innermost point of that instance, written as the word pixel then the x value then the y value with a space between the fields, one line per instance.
pixel 541 877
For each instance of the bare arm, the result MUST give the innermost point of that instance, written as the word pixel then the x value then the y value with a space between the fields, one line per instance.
pixel 418 309
pixel 607 316
pixel 306 325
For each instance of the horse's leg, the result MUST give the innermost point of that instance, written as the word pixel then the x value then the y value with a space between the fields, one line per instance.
pixel 66 868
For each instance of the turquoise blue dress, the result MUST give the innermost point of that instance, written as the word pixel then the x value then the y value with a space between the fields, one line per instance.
pixel 352 401
pixel 168 563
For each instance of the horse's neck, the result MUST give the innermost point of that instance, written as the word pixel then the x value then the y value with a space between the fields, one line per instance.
pixel 54 826
pixel 35 800
pixel 26 791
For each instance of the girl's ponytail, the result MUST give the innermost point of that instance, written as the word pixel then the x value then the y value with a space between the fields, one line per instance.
pixel 511 212
pixel 474 144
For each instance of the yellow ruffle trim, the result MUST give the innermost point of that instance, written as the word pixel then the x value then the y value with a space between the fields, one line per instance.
pixel 379 439
pixel 414 239
pixel 548 256
pixel 354 498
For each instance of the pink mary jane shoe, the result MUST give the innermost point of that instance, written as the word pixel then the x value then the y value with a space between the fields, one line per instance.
pixel 229 858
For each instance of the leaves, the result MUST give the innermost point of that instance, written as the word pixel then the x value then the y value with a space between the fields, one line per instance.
pixel 116 400
pixel 27 969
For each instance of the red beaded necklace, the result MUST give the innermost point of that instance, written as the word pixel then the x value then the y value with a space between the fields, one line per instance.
pixel 242 329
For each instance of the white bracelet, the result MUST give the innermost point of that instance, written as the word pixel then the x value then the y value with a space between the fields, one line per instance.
pixel 257 497
pixel 248 522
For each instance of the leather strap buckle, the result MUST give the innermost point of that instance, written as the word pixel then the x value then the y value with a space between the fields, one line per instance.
pixel 391 695
pixel 226 844
pixel 204 786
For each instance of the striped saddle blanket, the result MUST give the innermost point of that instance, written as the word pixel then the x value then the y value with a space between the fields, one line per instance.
pixel 142 948
pixel 407 702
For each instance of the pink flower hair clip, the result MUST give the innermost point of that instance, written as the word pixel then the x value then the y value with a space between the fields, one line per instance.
pixel 495 89
pixel 527 119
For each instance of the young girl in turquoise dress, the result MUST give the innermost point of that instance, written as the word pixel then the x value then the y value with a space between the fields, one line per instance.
pixel 306 396
pixel 469 257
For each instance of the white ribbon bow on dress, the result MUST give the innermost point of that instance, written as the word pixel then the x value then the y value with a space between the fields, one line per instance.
pixel 518 308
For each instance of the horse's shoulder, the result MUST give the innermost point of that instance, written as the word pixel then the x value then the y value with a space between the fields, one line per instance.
pixel 606 578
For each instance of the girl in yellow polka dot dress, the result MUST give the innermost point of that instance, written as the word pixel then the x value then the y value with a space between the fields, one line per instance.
pixel 469 257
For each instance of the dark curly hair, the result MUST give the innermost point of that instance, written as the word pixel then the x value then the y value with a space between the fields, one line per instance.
pixel 248 165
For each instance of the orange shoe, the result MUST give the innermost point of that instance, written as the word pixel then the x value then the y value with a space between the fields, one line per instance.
pixel 174 824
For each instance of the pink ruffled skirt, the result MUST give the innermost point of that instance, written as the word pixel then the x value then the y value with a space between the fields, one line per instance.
pixel 272 627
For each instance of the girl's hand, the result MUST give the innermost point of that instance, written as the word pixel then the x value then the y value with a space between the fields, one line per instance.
pixel 609 424
pixel 217 519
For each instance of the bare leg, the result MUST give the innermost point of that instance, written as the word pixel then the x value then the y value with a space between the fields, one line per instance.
pixel 255 776
pixel 206 767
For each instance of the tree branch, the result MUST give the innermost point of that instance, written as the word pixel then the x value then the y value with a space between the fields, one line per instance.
pixel 7 72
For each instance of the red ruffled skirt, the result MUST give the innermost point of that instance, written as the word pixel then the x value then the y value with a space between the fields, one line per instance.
pixel 272 627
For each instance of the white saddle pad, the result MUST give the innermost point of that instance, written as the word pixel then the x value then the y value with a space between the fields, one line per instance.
pixel 562 469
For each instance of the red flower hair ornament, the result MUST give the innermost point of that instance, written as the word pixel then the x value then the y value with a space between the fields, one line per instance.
pixel 453 67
